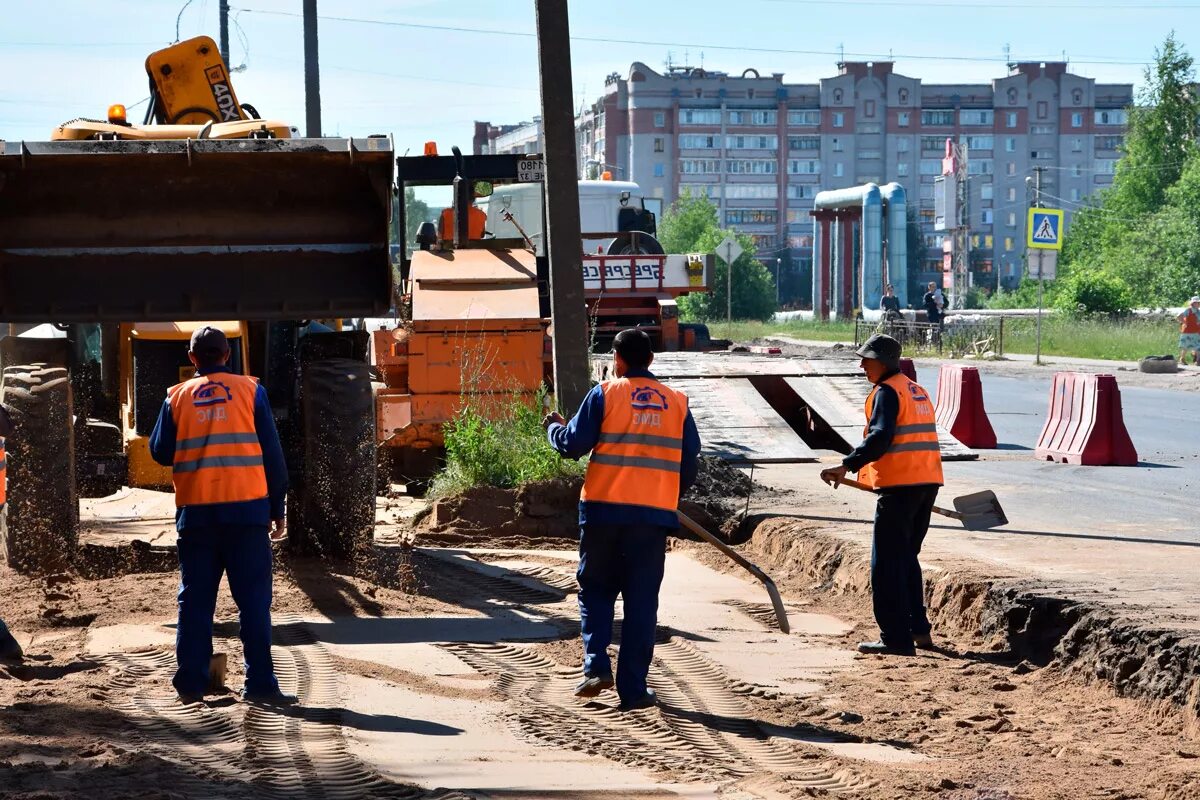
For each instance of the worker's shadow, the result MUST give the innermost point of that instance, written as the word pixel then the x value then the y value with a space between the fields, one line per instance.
pixel 758 730
pixel 380 723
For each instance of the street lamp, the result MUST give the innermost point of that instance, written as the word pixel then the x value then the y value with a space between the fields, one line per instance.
pixel 778 264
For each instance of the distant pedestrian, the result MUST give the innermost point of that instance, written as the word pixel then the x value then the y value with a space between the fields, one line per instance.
pixel 932 304
pixel 10 649
pixel 889 304
pixel 217 433
pixel 644 447
pixel 1189 332
pixel 900 459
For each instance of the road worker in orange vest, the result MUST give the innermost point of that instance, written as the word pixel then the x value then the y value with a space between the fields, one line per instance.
pixel 900 459
pixel 10 648
pixel 217 433
pixel 644 454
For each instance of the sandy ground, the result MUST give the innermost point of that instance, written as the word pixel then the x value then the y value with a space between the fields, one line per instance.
pixel 463 689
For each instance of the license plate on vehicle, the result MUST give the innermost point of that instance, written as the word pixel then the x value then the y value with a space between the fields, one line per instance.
pixel 531 170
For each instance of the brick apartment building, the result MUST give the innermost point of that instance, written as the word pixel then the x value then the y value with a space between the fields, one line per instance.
pixel 762 148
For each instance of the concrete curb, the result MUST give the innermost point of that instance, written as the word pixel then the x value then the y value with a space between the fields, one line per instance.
pixel 1031 620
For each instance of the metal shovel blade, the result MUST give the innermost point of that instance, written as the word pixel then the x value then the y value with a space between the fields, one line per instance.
pixel 980 511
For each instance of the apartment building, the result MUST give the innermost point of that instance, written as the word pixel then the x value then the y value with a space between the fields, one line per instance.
pixel 762 148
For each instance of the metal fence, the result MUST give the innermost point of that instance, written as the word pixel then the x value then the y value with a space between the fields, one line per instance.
pixel 955 338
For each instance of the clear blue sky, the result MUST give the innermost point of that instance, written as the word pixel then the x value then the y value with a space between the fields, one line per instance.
pixel 68 58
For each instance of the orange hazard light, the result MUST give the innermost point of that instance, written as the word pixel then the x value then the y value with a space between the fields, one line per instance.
pixel 606 176
pixel 431 148
pixel 116 114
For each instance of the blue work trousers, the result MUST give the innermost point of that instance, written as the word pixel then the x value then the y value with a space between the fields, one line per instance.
pixel 897 588
pixel 244 554
pixel 625 560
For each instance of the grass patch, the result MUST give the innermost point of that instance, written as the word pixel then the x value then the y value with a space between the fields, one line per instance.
pixel 745 330
pixel 504 447
pixel 1118 340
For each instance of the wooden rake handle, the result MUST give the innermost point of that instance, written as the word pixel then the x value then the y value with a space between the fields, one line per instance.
pixel 945 512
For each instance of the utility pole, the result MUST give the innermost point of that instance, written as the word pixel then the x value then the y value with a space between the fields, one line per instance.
pixel 312 73
pixel 564 243
pixel 1037 203
pixel 962 229
pixel 223 13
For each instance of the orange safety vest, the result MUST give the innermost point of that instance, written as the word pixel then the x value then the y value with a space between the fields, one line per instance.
pixel 636 462
pixel 3 474
pixel 476 220
pixel 217 455
pixel 914 457
pixel 1191 321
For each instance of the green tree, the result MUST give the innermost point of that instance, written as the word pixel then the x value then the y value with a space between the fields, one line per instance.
pixel 690 226
pixel 916 258
pixel 415 212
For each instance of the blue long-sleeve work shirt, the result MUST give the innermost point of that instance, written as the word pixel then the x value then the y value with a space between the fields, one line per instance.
pixel 577 438
pixel 250 512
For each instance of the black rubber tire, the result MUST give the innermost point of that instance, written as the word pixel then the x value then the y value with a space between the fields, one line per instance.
pixel 703 337
pixel 42 530
pixel 338 493
pixel 647 246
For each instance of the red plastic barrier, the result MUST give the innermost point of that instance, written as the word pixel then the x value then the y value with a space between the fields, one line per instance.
pixel 1085 425
pixel 960 407
pixel 907 369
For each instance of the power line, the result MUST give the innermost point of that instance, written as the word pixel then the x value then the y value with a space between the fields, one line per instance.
pixel 993 6
pixel 652 43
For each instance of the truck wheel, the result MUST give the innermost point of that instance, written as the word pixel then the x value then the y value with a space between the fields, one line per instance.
pixel 647 246
pixel 338 492
pixel 43 501
pixel 702 338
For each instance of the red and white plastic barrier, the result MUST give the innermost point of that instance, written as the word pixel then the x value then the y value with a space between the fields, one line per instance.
pixel 960 407
pixel 1085 425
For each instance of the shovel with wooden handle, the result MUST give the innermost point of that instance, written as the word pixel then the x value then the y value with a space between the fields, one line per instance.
pixel 978 511
pixel 736 557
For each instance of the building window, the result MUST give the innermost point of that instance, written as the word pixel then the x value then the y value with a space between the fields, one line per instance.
pixel 931 166
pixel 1111 117
pixel 1011 168
pixel 902 118
pixel 986 216
pixel 699 116
pixel 751 216
pixel 660 119
pixel 1077 97
pixel 797 166
pixel 1039 130
pixel 1008 244
pixel 1075 195
pixel 700 189
pixel 1043 108
pixel 748 117
pixel 804 142
pixel 699 166
pixel 981 142
pixel 1012 194
pixel 699 141
pixel 937 117
pixel 903 95
pixel 868 128
pixel 1010 118
pixel 752 166
pixel 926 191
pixel 985 192
pixel 659 144
pixel 1041 155
pixel 799 191
pixel 839 170
pixel 872 154
pixel 1077 119
pixel 869 108
pixel 1010 144
pixel 902 145
pixel 979 166
pixel 804 118
pixel 1012 219
pixel 836 144
pixel 751 191
pixel 1106 166
pixel 933 144
pixel 902 169
pixel 740 142
pixel 839 119
pixel 659 170
pixel 1077 171
pixel 1012 98
pixel 1077 145
pixel 837 95
pixel 1108 142
pixel 976 117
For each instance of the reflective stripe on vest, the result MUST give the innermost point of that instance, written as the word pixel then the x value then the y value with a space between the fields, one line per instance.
pixel 217 455
pixel 3 474
pixel 636 460
pixel 914 457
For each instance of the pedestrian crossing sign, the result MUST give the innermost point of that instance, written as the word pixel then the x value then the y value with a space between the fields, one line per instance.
pixel 1045 229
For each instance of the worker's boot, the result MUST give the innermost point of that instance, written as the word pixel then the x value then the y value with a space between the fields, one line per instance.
pixel 923 640
pixel 881 649
pixel 10 649
pixel 648 700
pixel 275 698
pixel 593 685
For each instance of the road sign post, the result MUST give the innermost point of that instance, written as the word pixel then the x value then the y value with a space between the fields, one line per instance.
pixel 1043 232
pixel 731 251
